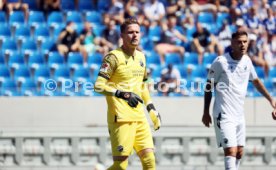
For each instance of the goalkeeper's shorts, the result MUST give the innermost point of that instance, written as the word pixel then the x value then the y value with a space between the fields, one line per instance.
pixel 126 136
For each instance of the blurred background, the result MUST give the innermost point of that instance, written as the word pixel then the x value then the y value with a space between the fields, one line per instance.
pixel 50 55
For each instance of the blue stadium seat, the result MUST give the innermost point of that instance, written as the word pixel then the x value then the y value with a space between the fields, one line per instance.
pixel 98 29
pixel 4 71
pixel 199 72
pixel 103 6
pixel 57 30
pixel 94 17
pixel 36 18
pixel 28 88
pixel 156 74
pixel 41 73
pixel 3 17
pixel 61 72
pixel 172 58
pixel 67 5
pixel 28 45
pixel 154 33
pixel 272 73
pixel 152 58
pixel 146 43
pixel 189 33
pixel 190 59
pixel 81 74
pixel 182 70
pixel 21 72
pixel 75 59
pixel 208 58
pixel 35 59
pixel 55 59
pixel 95 59
pixel 9 45
pixel 9 88
pixel 15 59
pixel 17 17
pixel 85 5
pixel 55 18
pixel 22 32
pixel 260 72
pixel 2 59
pixel 74 16
pixel 48 45
pixel 5 31
pixel 206 17
pixel 41 32
pixel 221 16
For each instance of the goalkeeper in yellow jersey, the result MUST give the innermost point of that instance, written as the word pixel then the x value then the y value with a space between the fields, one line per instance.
pixel 121 80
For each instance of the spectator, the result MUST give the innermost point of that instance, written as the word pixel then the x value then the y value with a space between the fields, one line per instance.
pixel 256 54
pixel 170 37
pixel 262 10
pixel 91 43
pixel 269 50
pixel 116 11
pixel 197 6
pixel 111 34
pixel 3 5
pixel 204 41
pixel 177 8
pixel 68 40
pixel 154 11
pixel 270 22
pixel 224 35
pixel 252 21
pixel 16 5
pixel 170 80
pixel 49 6
pixel 132 8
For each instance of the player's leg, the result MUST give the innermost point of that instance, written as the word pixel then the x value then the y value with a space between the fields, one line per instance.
pixel 122 140
pixel 226 138
pixel 240 142
pixel 144 146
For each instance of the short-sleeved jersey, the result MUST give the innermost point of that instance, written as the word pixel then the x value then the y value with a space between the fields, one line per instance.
pixel 232 77
pixel 125 73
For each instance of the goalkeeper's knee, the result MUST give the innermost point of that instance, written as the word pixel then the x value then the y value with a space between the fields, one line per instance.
pixel 148 161
pixel 119 165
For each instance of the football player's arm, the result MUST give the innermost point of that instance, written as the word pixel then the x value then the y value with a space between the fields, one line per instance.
pixel 102 85
pixel 154 114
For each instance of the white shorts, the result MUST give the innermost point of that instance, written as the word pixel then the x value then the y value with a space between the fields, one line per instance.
pixel 229 133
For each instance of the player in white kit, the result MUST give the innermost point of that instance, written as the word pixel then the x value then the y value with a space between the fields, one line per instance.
pixel 229 76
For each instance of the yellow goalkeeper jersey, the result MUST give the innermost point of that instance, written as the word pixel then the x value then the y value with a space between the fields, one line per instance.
pixel 125 73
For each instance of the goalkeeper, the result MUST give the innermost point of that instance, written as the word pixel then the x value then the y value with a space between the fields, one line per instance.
pixel 121 80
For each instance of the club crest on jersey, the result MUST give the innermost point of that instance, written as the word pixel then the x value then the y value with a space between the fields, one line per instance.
pixel 104 67
pixel 141 63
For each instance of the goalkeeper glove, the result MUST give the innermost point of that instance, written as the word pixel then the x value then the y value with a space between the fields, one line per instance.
pixel 131 98
pixel 154 116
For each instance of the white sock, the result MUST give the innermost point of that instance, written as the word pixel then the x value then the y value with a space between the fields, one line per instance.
pixel 230 163
pixel 238 162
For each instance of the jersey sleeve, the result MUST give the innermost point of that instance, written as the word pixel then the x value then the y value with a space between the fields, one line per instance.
pixel 215 71
pixel 109 65
pixel 253 75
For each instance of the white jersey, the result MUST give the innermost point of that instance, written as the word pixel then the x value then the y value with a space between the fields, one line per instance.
pixel 232 78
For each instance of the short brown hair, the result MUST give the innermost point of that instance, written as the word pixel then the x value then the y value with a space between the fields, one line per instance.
pixel 239 33
pixel 128 22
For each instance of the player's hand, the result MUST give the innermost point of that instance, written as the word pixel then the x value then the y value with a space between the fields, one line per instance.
pixel 155 118
pixel 274 114
pixel 206 119
pixel 131 98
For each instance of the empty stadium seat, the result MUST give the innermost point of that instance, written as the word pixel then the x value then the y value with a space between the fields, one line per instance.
pixel 48 45
pixel 16 59
pixel 28 88
pixel 199 72
pixel 173 58
pixel 41 32
pixel 55 18
pixel 21 72
pixel 9 88
pixel 4 71
pixel 55 59
pixel 74 16
pixel 94 17
pixel 35 59
pixel 206 17
pixel 272 74
pixel 8 45
pixel 190 59
pixel 28 45
pixel 17 17
pixel 41 73
pixel 61 72
pixel 5 31
pixel 81 73
pixel 154 33
pixel 208 58
pixel 2 59
pixel 75 59
pixel 260 72
pixel 22 32
pixel 36 18
pixel 3 17
pixel 152 58
pixel 95 59
pixel 182 70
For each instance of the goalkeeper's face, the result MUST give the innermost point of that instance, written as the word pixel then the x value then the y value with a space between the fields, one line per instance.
pixel 131 36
